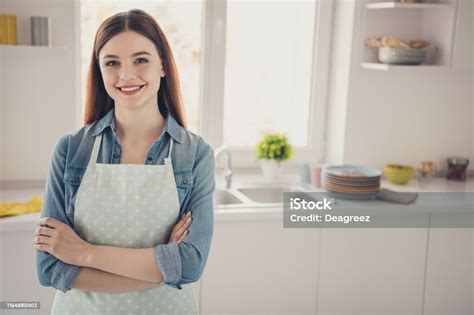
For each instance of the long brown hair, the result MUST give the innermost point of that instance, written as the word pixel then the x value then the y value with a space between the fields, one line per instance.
pixel 98 102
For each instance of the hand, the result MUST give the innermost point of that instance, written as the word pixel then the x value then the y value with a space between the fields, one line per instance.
pixel 180 230
pixel 61 241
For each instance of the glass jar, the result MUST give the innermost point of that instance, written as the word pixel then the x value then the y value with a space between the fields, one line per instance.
pixel 457 168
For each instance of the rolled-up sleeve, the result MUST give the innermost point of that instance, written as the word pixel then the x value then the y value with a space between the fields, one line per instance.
pixel 184 263
pixel 50 270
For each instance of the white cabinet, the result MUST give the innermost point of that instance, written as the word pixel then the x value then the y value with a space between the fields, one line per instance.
pixel 197 291
pixel 257 266
pixel 18 279
pixel 372 271
pixel 449 274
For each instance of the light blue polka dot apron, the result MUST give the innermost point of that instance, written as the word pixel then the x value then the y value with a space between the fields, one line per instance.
pixel 127 205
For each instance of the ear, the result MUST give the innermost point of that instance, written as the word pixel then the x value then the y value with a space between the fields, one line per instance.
pixel 162 73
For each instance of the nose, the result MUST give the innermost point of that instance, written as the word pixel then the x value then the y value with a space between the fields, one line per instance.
pixel 127 73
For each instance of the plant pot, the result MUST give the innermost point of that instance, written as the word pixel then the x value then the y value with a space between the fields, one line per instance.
pixel 271 168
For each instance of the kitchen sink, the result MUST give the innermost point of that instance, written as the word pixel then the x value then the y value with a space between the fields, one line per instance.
pixel 222 197
pixel 254 195
pixel 267 194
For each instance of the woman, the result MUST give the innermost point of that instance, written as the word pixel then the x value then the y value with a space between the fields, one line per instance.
pixel 113 238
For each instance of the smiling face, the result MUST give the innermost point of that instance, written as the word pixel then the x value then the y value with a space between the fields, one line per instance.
pixel 131 69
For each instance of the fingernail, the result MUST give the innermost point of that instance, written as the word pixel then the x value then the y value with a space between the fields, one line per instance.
pixel 189 213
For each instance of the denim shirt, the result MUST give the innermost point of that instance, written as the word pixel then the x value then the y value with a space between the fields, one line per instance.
pixel 193 164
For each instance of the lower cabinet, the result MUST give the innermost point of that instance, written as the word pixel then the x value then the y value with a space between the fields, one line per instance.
pixel 260 267
pixel 449 274
pixel 18 278
pixel 372 271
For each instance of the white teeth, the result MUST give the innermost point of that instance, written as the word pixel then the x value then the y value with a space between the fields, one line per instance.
pixel 130 89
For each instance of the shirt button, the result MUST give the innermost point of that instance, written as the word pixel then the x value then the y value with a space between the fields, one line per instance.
pixel 185 181
pixel 116 156
pixel 76 179
pixel 150 158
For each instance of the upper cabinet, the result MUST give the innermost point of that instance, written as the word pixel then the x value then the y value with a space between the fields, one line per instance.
pixel 432 21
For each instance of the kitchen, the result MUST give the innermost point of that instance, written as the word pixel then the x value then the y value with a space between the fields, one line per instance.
pixel 347 108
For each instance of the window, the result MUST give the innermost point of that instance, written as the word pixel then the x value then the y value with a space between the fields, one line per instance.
pixel 268 70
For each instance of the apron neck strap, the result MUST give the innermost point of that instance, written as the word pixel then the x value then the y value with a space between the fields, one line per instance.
pixel 168 158
pixel 95 150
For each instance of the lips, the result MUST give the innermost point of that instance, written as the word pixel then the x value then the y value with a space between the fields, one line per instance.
pixel 130 89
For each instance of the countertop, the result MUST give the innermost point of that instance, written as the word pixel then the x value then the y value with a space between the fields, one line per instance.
pixel 241 178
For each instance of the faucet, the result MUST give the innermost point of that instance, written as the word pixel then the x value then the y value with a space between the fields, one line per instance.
pixel 228 168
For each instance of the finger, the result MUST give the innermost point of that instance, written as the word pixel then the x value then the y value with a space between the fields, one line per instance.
pixel 40 230
pixel 42 240
pixel 183 229
pixel 184 226
pixel 176 235
pixel 188 223
pixel 186 216
pixel 181 222
pixel 42 247
pixel 52 222
pixel 183 236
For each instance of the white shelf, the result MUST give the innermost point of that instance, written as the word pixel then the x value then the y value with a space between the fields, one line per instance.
pixel 397 5
pixel 32 48
pixel 386 67
pixel 434 22
pixel 15 53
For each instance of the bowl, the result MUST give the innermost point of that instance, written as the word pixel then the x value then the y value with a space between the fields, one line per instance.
pixel 396 56
pixel 398 173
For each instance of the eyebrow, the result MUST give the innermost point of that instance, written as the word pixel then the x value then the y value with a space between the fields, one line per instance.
pixel 133 55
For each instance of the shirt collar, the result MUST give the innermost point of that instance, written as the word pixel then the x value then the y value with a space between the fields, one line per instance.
pixel 171 125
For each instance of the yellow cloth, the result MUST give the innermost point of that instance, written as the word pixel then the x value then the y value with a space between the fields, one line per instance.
pixel 16 207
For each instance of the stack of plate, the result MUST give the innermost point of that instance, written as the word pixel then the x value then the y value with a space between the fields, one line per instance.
pixel 354 182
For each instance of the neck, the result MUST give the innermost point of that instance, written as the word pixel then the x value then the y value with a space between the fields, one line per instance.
pixel 138 124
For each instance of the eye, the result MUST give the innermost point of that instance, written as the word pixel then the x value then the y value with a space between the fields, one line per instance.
pixel 110 63
pixel 142 60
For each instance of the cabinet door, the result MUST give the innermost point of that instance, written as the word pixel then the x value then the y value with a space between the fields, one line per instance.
pixel 257 266
pixel 372 271
pixel 449 275
pixel 197 292
pixel 18 278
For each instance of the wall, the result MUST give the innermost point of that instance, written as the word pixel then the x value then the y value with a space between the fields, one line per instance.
pixel 399 116
pixel 2 131
pixel 39 85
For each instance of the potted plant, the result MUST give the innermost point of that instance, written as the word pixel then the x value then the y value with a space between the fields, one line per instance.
pixel 272 150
